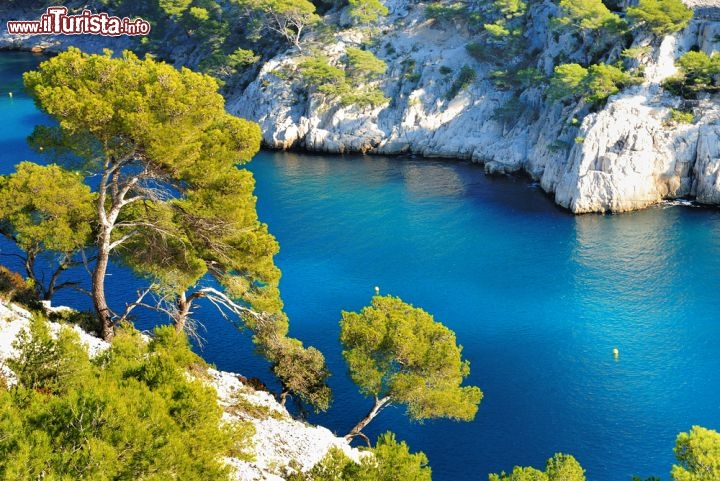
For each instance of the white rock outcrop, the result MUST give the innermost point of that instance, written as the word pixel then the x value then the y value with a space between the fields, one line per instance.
pixel 625 157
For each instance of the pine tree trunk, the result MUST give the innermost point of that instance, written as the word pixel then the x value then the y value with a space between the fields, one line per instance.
pixel 98 287
pixel 30 271
pixel 357 430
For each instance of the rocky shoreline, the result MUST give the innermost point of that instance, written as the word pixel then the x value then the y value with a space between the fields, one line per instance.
pixel 625 157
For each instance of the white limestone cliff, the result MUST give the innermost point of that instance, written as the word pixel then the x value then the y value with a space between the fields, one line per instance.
pixel 625 157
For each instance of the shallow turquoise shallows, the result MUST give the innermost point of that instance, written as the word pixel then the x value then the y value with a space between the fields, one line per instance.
pixel 538 298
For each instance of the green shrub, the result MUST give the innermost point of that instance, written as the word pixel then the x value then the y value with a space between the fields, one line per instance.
pixel 594 84
pixel 510 8
pixel 466 76
pixel 698 72
pixel 477 50
pixel 369 97
pixel 662 17
pixel 131 413
pixel 590 15
pixel 606 80
pixel 317 71
pixel 367 11
pixel 529 77
pixel 675 84
pixel 681 117
pixel 241 406
pixel 497 29
pixel 412 76
pixel 88 321
pixel 348 86
pixel 46 364
pixel 13 288
pixel 568 81
pixel 391 461
pixel 502 79
pixel 446 12
pixel 636 52
pixel 699 69
pixel 364 64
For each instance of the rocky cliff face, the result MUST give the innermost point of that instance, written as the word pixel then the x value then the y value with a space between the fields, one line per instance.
pixel 625 157
pixel 631 156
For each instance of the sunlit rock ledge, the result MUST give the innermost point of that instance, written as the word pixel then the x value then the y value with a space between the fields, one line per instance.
pixel 279 441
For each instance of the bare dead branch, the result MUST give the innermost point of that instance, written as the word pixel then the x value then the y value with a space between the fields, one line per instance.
pixel 133 305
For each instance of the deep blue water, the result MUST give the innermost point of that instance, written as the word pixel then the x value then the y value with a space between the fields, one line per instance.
pixel 537 297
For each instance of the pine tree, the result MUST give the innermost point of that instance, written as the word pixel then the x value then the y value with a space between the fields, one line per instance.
pixel 399 354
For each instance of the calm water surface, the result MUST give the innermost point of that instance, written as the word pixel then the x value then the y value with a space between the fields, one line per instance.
pixel 538 298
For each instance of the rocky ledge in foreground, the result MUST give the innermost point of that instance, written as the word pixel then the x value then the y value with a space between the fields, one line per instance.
pixel 279 441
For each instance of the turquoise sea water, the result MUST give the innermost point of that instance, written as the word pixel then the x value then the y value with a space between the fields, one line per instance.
pixel 538 298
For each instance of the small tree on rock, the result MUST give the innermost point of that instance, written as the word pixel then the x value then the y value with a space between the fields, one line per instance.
pixel 366 11
pixel 662 17
pixel 397 353
pixel 289 18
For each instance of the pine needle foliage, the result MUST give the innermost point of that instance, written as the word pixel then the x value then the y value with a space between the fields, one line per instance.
pixel 134 412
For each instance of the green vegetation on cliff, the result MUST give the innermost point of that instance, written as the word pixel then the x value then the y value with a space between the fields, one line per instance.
pixel 661 17
pixel 349 83
pixel 130 413
pixel 390 461
pixel 594 85
pixel 699 72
